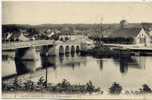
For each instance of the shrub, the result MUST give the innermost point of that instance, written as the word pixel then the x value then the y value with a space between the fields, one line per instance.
pixel 115 88
pixel 29 85
pixel 17 84
pixel 146 88
pixel 64 84
pixel 41 82
pixel 90 87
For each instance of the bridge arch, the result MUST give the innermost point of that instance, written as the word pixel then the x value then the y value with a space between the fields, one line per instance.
pixel 67 49
pixel 72 49
pixel 77 48
pixel 61 50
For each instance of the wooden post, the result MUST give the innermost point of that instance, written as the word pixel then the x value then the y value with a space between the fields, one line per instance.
pixel 46 76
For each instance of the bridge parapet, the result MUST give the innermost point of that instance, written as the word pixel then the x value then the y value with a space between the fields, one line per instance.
pixel 15 45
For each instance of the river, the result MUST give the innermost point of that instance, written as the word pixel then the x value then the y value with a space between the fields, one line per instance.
pixel 131 73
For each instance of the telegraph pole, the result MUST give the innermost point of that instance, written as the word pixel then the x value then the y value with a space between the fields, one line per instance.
pixel 46 78
pixel 101 31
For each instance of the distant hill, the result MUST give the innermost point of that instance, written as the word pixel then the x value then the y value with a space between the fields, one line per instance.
pixel 89 29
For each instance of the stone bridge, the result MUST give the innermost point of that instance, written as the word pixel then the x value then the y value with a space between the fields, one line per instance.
pixel 26 50
pixel 25 44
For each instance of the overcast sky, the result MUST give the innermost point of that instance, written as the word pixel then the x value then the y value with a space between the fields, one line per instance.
pixel 37 12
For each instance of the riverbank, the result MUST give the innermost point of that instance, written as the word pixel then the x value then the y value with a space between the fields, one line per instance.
pixel 107 52
pixel 65 87
pixel 102 52
pixel 42 86
pixel 47 95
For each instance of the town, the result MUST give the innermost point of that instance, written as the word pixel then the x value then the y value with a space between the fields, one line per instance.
pixel 78 50
pixel 98 40
pixel 123 35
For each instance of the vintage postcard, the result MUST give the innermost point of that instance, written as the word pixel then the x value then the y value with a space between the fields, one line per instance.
pixel 76 50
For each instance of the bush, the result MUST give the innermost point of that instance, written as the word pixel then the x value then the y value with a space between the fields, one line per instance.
pixel 115 88
pixel 29 85
pixel 90 87
pixel 17 84
pixel 145 89
pixel 41 82
pixel 64 84
pixel 8 87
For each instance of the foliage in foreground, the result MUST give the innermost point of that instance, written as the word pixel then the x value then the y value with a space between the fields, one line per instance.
pixel 66 87
pixel 41 85
pixel 115 88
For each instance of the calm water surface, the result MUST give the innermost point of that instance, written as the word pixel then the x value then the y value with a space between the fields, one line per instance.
pixel 130 73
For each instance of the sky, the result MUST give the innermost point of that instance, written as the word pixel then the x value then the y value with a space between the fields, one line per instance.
pixel 38 12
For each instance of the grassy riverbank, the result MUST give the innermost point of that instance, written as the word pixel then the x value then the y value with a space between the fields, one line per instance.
pixel 42 85
pixel 105 51
pixel 99 52
pixel 65 86
pixel 54 96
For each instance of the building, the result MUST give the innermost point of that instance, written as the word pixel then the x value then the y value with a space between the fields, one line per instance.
pixel 143 38
pixel 140 36
pixel 86 43
pixel 65 37
pixel 19 36
pixel 23 38
pixel 49 33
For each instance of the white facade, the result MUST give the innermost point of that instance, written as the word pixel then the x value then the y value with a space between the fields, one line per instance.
pixel 84 41
pixel 143 39
pixel 23 38
pixel 70 37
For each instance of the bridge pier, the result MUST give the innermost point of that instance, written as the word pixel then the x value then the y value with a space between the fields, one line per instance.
pixel 66 49
pixel 28 53
pixel 48 50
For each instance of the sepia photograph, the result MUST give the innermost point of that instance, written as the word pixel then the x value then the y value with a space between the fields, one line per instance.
pixel 76 50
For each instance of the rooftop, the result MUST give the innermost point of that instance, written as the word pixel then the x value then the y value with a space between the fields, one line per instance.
pixel 126 32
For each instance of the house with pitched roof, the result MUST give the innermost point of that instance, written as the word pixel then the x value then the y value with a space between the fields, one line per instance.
pixel 19 36
pixel 143 38
pixel 140 36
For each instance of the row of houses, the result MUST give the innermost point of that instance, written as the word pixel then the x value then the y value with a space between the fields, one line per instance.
pixel 140 35
pixel 23 35
pixel 18 36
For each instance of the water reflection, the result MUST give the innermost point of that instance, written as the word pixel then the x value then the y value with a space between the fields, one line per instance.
pixel 123 65
pixel 100 62
pixel 140 60
pixel 80 69
pixel 67 54
pixel 25 66
pixel 8 67
pixel 72 54
pixel 61 58
pixel 72 64
pixel 131 62
pixel 70 60
pixel 49 61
